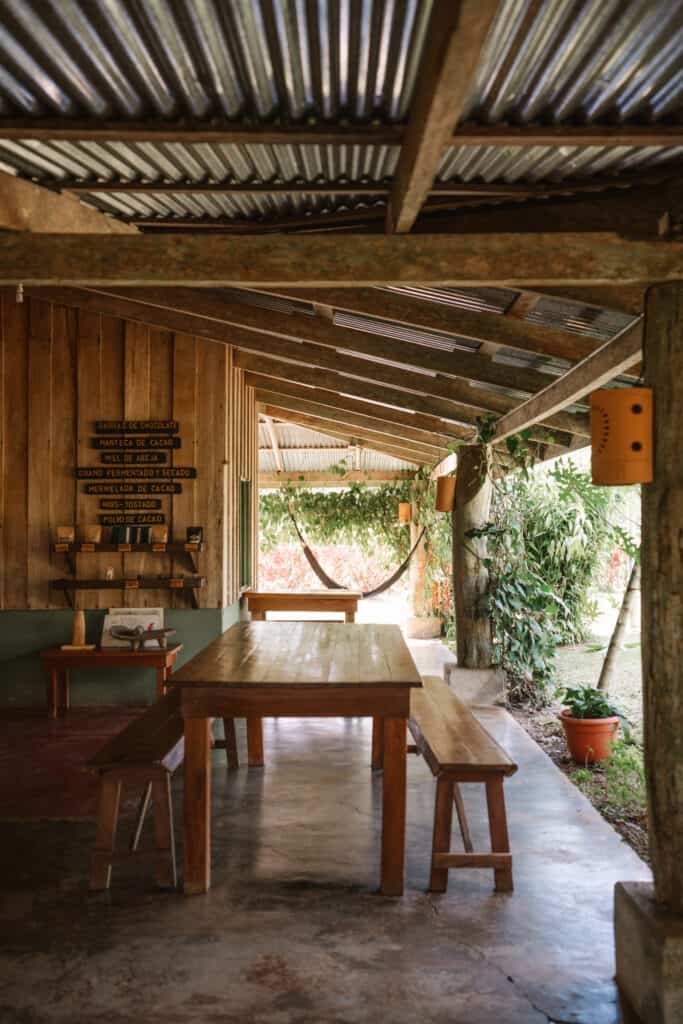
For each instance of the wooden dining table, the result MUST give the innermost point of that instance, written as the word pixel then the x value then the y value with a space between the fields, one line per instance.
pixel 297 669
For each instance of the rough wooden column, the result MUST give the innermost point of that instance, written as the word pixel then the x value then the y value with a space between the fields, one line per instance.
pixel 662 593
pixel 421 625
pixel 648 919
pixel 470 578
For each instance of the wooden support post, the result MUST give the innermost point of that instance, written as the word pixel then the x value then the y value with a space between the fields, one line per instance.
pixel 470 577
pixel 662 594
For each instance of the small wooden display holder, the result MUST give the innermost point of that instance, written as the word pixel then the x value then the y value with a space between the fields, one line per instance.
pixel 78 634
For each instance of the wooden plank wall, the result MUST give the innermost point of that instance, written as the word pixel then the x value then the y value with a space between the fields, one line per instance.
pixel 63 368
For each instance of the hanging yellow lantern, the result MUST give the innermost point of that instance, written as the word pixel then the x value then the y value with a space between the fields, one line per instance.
pixel 445 493
pixel 404 513
pixel 621 436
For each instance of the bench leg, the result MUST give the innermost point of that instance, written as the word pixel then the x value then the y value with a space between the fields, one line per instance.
pixel 500 842
pixel 66 691
pixel 462 819
pixel 162 810
pixel 197 806
pixel 443 823
pixel 52 693
pixel 231 754
pixel 349 616
pixel 255 742
pixel 105 840
pixel 377 744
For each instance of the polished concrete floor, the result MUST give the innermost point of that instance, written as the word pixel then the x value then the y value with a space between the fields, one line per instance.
pixel 293 930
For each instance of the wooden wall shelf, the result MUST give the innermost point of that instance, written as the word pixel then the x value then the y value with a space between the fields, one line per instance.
pixel 178 549
pixel 188 584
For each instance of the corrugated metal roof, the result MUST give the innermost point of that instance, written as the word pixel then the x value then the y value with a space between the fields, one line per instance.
pixel 580 60
pixel 314 62
pixel 303 450
pixel 206 58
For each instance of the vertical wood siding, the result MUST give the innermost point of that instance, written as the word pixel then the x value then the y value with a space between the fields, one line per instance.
pixel 60 370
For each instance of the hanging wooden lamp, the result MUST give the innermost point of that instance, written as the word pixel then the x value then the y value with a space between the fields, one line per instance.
pixel 404 513
pixel 621 436
pixel 445 493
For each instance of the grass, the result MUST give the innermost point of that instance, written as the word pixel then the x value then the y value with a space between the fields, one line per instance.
pixel 617 788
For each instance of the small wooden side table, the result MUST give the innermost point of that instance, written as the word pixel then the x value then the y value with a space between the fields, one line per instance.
pixel 57 664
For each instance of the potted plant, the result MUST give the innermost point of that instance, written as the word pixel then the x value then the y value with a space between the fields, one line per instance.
pixel 590 724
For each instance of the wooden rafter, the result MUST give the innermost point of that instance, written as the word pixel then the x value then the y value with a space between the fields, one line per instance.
pixel 455 37
pixel 354 420
pixel 430 393
pixel 471 366
pixel 274 444
pixel 404 452
pixel 28 207
pixel 530 260
pixel 75 130
pixel 419 312
pixel 320 478
pixel 342 400
pixel 613 358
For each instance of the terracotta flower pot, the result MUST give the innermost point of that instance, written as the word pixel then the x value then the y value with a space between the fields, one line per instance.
pixel 589 739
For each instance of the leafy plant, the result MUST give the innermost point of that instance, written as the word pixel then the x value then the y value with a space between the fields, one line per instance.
pixel 587 702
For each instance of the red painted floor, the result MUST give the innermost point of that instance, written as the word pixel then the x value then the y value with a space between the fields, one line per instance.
pixel 42 763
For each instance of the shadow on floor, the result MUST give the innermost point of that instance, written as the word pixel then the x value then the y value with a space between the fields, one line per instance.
pixel 293 930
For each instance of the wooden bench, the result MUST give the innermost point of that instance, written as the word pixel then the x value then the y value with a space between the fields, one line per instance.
pixel 260 602
pixel 145 754
pixel 458 749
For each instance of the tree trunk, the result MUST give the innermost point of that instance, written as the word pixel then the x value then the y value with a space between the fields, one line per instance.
pixel 470 577
pixel 617 637
pixel 662 569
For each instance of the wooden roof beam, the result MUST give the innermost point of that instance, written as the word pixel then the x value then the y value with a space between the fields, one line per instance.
pixel 424 392
pixel 519 260
pixel 613 358
pixel 28 207
pixel 455 37
pixel 396 451
pixel 320 478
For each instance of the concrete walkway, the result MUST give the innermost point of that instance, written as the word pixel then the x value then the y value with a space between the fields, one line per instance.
pixel 294 932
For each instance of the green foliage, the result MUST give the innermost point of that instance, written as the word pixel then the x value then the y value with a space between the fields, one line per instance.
pixel 547 536
pixel 617 786
pixel 361 516
pixel 587 702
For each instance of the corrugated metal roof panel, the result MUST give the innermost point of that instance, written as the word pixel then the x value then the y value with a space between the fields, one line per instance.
pixel 549 163
pixel 580 60
pixel 206 58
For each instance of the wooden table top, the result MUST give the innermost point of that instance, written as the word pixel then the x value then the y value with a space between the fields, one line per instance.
pixel 317 594
pixel 57 654
pixel 301 654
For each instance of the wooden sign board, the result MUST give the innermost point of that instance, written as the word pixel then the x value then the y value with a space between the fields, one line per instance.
pixel 137 427
pixel 130 504
pixel 134 458
pixel 132 519
pixel 124 488
pixel 135 473
pixel 135 443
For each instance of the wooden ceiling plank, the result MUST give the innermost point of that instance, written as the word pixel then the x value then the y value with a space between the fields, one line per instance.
pixel 455 36
pixel 515 260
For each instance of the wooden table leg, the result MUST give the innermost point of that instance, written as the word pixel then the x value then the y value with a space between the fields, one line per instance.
pixel 394 806
pixel 161 682
pixel 52 693
pixel 66 690
pixel 350 616
pixel 255 742
pixel 377 744
pixel 197 806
